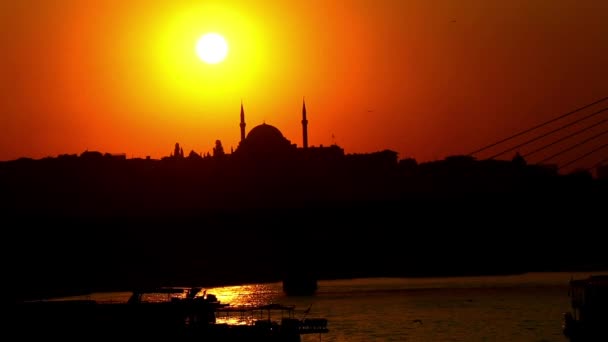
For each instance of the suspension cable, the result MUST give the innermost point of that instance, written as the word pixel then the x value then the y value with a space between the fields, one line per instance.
pixel 564 138
pixel 572 147
pixel 549 133
pixel 538 126
pixel 583 156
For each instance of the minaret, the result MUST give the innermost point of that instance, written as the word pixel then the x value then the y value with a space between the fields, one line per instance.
pixel 304 125
pixel 242 122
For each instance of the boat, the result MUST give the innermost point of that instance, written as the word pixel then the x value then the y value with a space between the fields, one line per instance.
pixel 264 318
pixel 588 319
pixel 177 314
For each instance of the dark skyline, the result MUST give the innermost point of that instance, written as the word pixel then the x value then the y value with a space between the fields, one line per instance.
pixel 569 143
pixel 104 222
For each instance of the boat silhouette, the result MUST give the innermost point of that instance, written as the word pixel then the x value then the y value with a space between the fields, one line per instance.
pixel 178 314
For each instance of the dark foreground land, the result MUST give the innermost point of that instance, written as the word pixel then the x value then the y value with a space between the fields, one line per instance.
pixel 56 255
pixel 74 228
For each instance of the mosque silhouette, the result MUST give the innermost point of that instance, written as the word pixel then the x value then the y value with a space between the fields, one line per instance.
pixel 265 142
pixel 267 139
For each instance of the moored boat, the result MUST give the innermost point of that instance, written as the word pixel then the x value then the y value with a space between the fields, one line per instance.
pixel 175 314
pixel 588 319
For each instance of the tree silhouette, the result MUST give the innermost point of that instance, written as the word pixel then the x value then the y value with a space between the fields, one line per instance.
pixel 178 152
pixel 218 150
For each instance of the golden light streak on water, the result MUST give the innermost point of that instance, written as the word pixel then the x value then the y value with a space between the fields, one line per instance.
pixel 243 296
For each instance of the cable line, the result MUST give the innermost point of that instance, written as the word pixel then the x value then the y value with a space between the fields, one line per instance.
pixel 539 125
pixel 573 147
pixel 584 155
pixel 564 138
pixel 549 133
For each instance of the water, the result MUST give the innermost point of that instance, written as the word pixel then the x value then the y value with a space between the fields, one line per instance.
pixel 527 307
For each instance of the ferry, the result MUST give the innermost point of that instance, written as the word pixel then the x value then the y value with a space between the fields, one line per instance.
pixel 588 319
pixel 177 314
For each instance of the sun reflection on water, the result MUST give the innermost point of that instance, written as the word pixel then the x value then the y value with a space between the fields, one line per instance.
pixel 243 296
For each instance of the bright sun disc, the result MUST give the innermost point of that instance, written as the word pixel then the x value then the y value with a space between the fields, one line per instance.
pixel 212 48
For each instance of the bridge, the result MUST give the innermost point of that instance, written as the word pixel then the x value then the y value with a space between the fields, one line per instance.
pixel 574 141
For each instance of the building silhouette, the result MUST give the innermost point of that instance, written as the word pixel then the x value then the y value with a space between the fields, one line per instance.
pixel 266 143
pixel 304 126
pixel 242 122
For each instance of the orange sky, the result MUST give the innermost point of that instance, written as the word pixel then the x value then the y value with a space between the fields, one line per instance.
pixel 424 78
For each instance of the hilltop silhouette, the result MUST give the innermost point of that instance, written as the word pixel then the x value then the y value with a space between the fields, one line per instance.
pixel 99 221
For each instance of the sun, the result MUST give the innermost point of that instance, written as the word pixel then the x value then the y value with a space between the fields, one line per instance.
pixel 212 48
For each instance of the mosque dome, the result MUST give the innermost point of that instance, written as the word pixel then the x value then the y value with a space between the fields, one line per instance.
pixel 266 134
pixel 265 140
